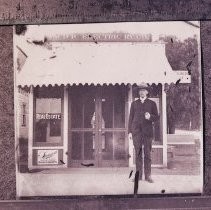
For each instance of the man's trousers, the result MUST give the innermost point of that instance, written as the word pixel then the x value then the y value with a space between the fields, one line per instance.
pixel 146 142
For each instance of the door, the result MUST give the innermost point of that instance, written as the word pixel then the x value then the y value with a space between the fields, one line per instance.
pixel 97 126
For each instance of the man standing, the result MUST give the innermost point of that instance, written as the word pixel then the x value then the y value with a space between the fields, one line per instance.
pixel 143 113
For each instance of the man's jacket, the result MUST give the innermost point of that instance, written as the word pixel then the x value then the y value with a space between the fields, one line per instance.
pixel 137 122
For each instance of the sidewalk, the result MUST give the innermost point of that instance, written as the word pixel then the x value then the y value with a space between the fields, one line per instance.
pixel 103 182
pixel 181 176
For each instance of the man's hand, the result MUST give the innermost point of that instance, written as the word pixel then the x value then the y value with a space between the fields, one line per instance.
pixel 130 136
pixel 147 115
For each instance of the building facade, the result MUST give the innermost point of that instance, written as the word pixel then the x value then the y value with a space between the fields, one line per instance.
pixel 74 99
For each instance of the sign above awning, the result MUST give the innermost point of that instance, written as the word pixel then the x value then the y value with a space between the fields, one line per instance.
pixel 99 63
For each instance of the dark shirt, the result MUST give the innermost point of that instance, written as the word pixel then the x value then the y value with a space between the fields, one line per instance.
pixel 137 122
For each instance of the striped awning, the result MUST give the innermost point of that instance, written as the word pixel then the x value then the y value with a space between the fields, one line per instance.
pixel 98 63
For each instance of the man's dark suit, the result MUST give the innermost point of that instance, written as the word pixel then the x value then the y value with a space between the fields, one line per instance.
pixel 142 132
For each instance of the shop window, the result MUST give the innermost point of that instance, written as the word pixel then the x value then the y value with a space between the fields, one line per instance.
pixel 24 115
pixel 48 116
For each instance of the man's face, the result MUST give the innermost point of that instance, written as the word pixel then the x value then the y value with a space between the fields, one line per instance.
pixel 143 93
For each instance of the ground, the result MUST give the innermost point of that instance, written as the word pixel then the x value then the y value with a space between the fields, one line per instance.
pixel 181 176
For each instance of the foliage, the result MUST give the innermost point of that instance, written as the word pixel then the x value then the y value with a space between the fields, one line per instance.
pixel 183 100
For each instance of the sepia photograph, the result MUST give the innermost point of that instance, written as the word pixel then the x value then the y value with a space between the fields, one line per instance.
pixel 108 108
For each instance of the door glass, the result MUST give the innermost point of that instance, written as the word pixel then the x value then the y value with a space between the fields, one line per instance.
pixel 82 107
pixel 76 107
pixel 107 107
pixel 119 146
pixel 83 145
pixel 76 153
pixel 119 107
pixel 113 146
pixel 89 145
pixel 89 111
pixel 113 106
pixel 76 112
pixel 107 146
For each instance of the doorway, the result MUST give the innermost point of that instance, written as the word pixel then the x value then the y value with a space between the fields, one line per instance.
pixel 98 126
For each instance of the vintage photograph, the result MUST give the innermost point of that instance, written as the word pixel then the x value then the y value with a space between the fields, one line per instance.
pixel 108 109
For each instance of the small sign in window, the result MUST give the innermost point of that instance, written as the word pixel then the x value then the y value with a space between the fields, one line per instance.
pixel 47 157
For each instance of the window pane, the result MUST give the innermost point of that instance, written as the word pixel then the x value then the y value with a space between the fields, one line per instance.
pixel 55 128
pixel 157 125
pixel 48 116
pixel 48 105
pixel 157 131
pixel 41 130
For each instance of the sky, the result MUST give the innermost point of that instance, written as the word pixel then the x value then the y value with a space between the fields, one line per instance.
pixel 180 29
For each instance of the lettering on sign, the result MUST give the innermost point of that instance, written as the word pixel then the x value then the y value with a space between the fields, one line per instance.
pixel 184 76
pixel 48 116
pixel 102 37
pixel 47 157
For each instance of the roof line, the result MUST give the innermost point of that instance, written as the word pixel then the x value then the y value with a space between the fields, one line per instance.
pixel 192 24
pixel 22 51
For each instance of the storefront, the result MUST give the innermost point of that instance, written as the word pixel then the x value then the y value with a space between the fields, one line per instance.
pixel 79 96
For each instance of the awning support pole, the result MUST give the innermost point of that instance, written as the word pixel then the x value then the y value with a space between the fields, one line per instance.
pixel 131 148
pixel 65 127
pixel 31 129
pixel 164 120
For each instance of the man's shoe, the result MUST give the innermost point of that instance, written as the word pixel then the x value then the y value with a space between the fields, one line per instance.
pixel 149 179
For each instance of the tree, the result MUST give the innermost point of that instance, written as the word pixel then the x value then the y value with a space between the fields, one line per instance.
pixel 183 100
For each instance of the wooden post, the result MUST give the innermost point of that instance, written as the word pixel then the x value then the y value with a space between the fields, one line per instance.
pixel 31 126
pixel 201 114
pixel 131 147
pixel 17 124
pixel 164 120
pixel 65 127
